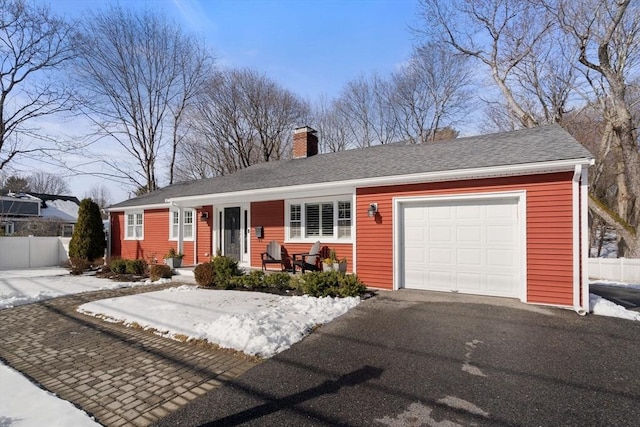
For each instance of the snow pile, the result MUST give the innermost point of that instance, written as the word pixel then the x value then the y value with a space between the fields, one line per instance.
pixel 252 322
pixel 604 307
pixel 18 287
pixel 24 404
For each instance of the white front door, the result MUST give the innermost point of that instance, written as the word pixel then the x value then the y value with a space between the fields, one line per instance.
pixel 232 232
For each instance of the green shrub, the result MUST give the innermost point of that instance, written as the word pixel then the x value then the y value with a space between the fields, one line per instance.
pixel 280 281
pixel 118 265
pixel 136 266
pixel 253 280
pixel 88 239
pixel 351 286
pixel 226 271
pixel 329 284
pixel 159 271
pixel 205 275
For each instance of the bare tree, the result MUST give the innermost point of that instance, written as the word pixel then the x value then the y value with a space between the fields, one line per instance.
pixel 47 183
pixel 241 118
pixel 34 46
pixel 332 127
pixel 501 34
pixel 430 92
pixel 101 196
pixel 607 34
pixel 365 109
pixel 139 73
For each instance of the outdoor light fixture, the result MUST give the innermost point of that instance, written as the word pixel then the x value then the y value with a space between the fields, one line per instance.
pixel 373 210
pixel 204 216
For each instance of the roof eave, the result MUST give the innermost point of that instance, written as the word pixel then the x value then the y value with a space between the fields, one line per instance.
pixel 348 186
pixel 138 207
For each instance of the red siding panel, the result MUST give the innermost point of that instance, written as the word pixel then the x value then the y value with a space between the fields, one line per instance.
pixel 204 235
pixel 156 238
pixel 549 230
pixel 270 216
pixel 117 233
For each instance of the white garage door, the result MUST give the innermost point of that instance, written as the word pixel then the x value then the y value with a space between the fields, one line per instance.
pixel 467 246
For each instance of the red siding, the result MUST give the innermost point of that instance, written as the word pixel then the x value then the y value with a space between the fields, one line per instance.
pixel 204 235
pixel 549 230
pixel 116 228
pixel 156 241
pixel 270 215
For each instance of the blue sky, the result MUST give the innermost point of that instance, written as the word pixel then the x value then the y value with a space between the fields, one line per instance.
pixel 312 47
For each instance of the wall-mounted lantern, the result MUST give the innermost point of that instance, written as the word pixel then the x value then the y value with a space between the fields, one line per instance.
pixel 373 210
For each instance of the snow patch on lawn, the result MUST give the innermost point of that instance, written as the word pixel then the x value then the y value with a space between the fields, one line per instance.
pixel 22 403
pixel 251 322
pixel 18 287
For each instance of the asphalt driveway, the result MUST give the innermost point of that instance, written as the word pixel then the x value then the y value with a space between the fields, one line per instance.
pixel 421 358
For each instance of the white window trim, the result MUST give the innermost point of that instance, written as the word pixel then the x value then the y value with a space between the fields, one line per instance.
pixel 63 226
pixel 126 225
pixel 8 228
pixel 173 237
pixel 323 239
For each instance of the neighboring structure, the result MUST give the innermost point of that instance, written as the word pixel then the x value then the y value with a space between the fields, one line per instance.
pixel 502 214
pixel 38 214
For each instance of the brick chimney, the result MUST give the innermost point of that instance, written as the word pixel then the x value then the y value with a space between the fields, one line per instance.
pixel 305 142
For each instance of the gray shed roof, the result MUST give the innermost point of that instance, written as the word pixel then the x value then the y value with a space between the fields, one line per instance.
pixel 542 144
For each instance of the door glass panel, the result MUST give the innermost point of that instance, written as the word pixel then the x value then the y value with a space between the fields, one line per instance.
pixel 232 233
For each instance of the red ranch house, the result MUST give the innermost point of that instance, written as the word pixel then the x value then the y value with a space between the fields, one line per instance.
pixel 502 214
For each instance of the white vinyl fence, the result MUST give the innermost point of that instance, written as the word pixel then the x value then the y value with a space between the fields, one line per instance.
pixel 616 269
pixel 26 252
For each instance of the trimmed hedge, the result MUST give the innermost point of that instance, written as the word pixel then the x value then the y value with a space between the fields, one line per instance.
pixel 128 266
pixel 330 284
pixel 223 273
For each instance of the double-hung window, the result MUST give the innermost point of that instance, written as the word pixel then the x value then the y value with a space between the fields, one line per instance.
pixel 6 229
pixel 319 220
pixel 135 226
pixel 186 222
pixel 187 230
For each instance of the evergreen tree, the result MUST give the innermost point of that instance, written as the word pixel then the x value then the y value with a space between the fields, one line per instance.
pixel 88 240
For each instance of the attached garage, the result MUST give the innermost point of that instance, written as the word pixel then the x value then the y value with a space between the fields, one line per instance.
pixel 469 244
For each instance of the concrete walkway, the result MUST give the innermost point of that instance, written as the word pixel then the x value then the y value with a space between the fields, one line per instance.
pixel 121 376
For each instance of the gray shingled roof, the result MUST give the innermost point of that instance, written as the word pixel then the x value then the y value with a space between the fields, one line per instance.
pixel 542 144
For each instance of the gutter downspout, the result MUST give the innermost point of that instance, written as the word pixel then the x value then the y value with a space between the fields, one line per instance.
pixel 577 252
pixel 195 236
pixel 584 221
